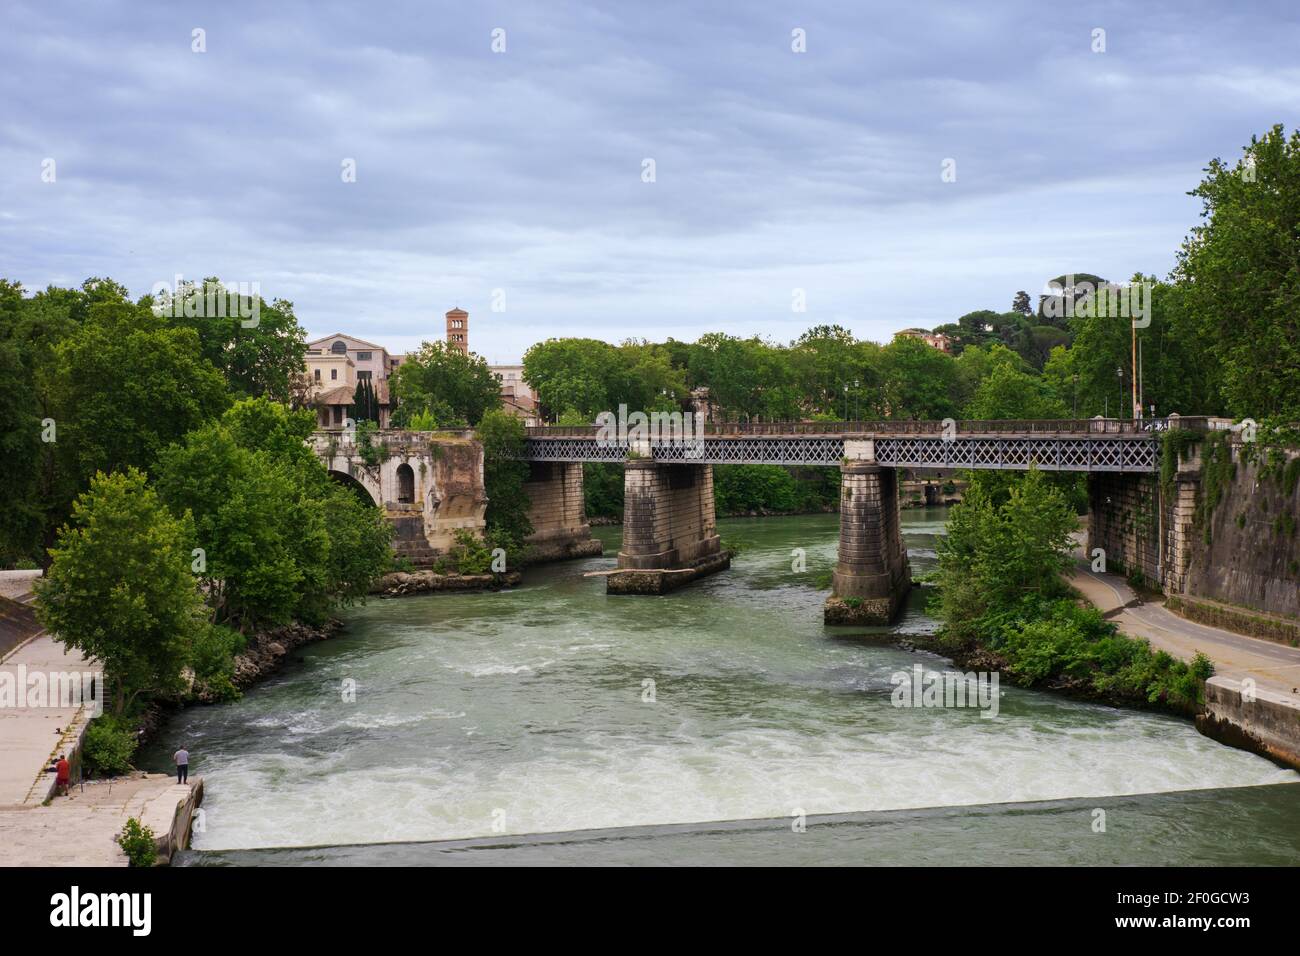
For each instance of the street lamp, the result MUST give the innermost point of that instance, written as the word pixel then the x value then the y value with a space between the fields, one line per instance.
pixel 1119 373
pixel 1075 379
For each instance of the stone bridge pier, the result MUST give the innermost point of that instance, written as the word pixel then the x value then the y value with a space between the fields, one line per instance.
pixel 670 534
pixel 558 512
pixel 872 576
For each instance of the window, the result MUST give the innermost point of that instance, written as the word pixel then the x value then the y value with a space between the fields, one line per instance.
pixel 339 348
pixel 363 356
pixel 334 373
pixel 317 371
pixel 362 374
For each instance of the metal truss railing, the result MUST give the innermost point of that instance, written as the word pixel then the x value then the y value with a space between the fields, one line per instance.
pixel 1131 453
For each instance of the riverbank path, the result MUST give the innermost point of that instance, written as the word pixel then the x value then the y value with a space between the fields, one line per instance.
pixel 1272 665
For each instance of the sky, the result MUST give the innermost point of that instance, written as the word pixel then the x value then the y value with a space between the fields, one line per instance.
pixel 500 154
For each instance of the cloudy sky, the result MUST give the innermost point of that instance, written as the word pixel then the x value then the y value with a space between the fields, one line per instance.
pixel 517 178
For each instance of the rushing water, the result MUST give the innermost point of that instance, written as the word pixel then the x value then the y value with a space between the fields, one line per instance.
pixel 529 712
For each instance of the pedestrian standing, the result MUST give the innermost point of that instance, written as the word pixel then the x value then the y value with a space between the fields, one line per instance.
pixel 62 774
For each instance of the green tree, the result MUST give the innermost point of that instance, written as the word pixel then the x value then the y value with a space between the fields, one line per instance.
pixel 748 379
pixel 824 360
pixel 504 474
pixel 281 539
pixel 918 380
pixel 993 556
pixel 365 404
pixel 1240 271
pixel 21 518
pixel 975 364
pixel 250 524
pixel 120 590
pixel 1008 392
pixel 126 385
pixel 257 346
pixel 444 379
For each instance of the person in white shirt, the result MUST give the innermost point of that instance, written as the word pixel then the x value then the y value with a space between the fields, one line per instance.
pixel 182 758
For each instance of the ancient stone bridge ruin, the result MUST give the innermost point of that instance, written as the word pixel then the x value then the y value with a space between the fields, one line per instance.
pixel 430 485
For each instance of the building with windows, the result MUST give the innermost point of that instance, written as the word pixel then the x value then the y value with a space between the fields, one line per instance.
pixel 936 340
pixel 336 364
pixel 517 396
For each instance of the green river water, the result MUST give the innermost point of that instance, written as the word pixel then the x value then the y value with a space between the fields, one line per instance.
pixel 516 727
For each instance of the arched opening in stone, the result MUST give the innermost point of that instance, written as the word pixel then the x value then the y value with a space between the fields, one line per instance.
pixel 405 484
pixel 356 487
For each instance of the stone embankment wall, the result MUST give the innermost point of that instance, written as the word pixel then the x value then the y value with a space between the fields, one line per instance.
pixel 1254 719
pixel 1245 545
pixel 1220 533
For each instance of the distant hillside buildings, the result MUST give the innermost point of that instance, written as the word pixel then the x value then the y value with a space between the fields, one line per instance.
pixel 338 362
pixel 936 340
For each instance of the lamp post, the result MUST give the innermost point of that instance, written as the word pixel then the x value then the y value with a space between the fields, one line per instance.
pixel 1075 379
pixel 1119 373
pixel 846 401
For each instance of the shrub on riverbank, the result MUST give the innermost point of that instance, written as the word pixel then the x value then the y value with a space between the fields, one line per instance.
pixel 138 843
pixel 109 744
pixel 1002 601
pixel 1058 644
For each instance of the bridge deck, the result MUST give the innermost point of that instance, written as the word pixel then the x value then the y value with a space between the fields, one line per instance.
pixel 1089 445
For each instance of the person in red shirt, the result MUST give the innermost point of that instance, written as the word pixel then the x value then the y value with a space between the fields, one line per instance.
pixel 62 774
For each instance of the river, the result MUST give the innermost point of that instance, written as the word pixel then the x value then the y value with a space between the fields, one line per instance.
pixel 554 724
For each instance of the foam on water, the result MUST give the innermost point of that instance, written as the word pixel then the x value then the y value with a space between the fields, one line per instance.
pixel 563 709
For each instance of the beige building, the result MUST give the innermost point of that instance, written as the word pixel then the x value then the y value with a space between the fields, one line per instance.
pixel 936 340
pixel 336 364
pixel 517 396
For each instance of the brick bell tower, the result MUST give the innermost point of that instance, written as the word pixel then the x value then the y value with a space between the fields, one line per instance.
pixel 458 330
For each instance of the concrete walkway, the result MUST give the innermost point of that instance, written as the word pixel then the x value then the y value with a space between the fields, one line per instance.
pixel 81 828
pixel 31 737
pixel 78 829
pixel 1236 656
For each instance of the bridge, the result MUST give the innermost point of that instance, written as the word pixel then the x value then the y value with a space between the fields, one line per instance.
pixel 1088 445
pixel 669 526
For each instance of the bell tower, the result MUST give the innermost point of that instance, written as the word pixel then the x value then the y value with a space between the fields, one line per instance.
pixel 458 330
